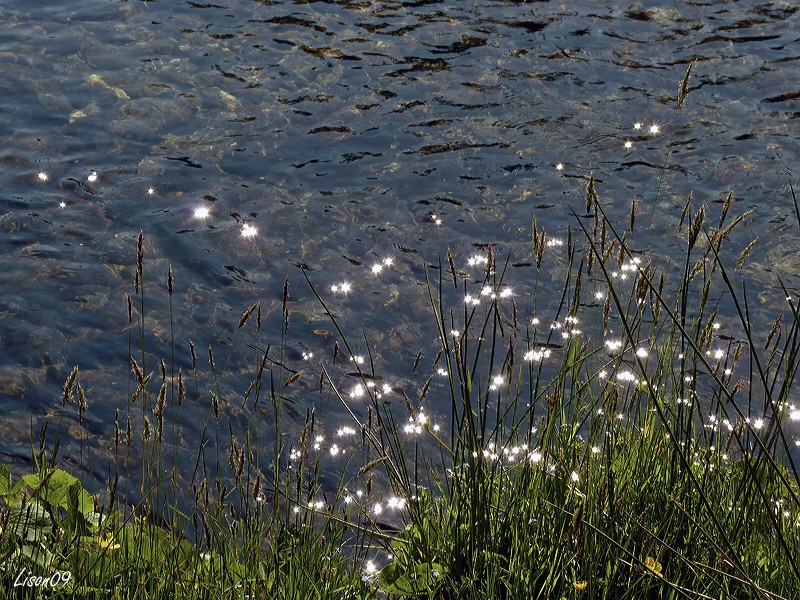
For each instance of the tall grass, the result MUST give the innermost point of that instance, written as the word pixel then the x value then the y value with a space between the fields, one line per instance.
pixel 654 462
pixel 657 464
pixel 209 520
pixel 625 445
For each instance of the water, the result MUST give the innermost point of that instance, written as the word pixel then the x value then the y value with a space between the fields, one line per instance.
pixel 348 133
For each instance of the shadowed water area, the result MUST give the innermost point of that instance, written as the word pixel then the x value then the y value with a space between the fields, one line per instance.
pixel 349 135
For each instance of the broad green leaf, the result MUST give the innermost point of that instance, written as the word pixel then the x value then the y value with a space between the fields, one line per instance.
pixel 32 480
pixel 83 500
pixel 16 490
pixel 80 510
pixel 30 522
pixel 419 579
pixel 38 554
pixel 56 488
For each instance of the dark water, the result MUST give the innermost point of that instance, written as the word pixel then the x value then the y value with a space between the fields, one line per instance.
pixel 348 133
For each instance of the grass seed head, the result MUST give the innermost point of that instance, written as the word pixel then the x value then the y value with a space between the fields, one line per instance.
pixel 137 371
pixel 683 89
pixel 139 254
pixel 697 225
pixel 591 194
pixel 284 302
pixel 181 388
pixel 82 399
pixel 245 316
pixel 452 268
pixel 69 384
pixel 774 330
pixel 745 252
pixel 161 402
pixel 726 207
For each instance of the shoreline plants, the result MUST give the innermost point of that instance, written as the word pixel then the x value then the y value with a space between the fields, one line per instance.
pixel 626 446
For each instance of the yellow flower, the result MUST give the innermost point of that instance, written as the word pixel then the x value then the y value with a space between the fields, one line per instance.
pixel 580 585
pixel 106 542
pixel 653 565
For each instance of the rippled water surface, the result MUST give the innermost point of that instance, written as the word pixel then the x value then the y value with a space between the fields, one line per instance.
pixel 337 136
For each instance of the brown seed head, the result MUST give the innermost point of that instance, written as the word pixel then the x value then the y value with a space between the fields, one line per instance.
pixel 683 90
pixel 139 253
pixel 137 371
pixel 69 384
pixel 81 399
pixel 181 388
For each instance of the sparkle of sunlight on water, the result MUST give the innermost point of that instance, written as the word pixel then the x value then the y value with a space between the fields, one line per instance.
pixel 357 143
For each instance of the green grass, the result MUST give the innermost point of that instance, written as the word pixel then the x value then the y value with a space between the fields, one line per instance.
pixel 654 462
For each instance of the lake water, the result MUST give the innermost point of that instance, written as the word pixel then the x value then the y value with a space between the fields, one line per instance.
pixel 355 142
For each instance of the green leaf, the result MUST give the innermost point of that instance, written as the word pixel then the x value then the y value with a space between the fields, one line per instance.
pixel 57 487
pixel 83 499
pixel 30 522
pixel 79 511
pixel 419 579
pixel 38 554
pixel 32 480
pixel 15 491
